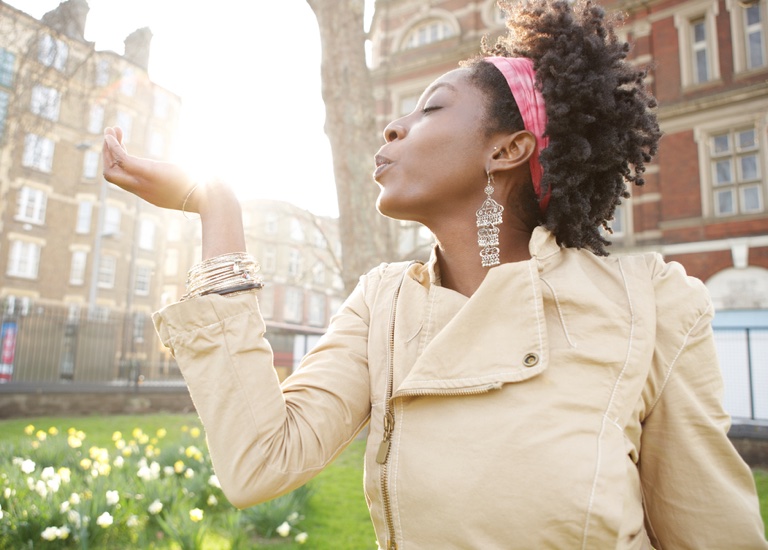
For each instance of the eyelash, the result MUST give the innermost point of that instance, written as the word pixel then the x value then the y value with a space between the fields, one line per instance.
pixel 426 110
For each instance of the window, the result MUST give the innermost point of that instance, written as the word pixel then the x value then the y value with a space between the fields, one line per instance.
pixel 316 309
pixel 84 214
pixel 4 100
pixel 427 33
pixel 107 269
pixel 77 268
pixel 53 52
pixel 38 153
pixel 128 82
pixel 139 324
pixel 294 262
pixel 269 259
pixel 96 119
pixel 700 53
pixel 293 308
pixel 171 267
pixel 90 164
pixel 143 280
pixel 102 72
pixel 297 232
pixel 736 172
pixel 697 43
pixel 23 259
pixel 318 273
pixel 111 221
pixel 270 224
pixel 147 235
pixel 125 121
pixel 46 102
pixel 160 106
pixel 754 36
pixel 30 205
pixel 7 66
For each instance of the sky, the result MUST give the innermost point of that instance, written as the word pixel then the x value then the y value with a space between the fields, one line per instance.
pixel 248 73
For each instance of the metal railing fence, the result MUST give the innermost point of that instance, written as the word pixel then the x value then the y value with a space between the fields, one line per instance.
pixel 49 346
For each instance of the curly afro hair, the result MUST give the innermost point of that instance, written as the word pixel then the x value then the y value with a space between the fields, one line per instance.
pixel 601 126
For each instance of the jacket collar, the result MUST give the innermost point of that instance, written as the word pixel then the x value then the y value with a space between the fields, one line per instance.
pixel 498 336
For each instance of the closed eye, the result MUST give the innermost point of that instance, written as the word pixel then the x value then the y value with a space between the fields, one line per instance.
pixel 426 110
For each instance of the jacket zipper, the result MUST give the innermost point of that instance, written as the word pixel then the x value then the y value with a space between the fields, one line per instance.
pixel 382 456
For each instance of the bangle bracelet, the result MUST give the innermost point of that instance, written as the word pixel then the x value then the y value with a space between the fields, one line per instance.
pixel 184 203
pixel 232 289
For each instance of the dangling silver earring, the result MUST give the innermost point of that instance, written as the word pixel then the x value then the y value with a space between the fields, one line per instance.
pixel 488 217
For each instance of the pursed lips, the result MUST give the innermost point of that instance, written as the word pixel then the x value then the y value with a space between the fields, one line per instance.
pixel 382 163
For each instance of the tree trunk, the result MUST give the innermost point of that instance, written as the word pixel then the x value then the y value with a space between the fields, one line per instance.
pixel 350 125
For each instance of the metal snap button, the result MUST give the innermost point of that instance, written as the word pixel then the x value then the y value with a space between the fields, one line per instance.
pixel 530 360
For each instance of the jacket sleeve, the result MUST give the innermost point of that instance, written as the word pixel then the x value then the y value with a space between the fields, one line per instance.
pixel 265 439
pixel 697 491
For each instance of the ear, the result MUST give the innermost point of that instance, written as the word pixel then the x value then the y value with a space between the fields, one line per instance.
pixel 512 151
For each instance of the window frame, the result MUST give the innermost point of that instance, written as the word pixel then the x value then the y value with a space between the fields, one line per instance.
pixel 23 259
pixel 77 266
pixel 739 28
pixel 38 152
pixel 32 197
pixel 684 19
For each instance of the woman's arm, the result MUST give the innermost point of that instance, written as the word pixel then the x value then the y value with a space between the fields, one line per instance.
pixel 697 491
pixel 168 186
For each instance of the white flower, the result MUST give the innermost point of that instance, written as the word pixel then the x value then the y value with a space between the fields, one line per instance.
pixel 41 488
pixel 119 461
pixel 54 483
pixel 104 520
pixel 73 517
pixel 189 473
pixel 168 470
pixel 63 532
pixel 50 533
pixel 132 521
pixel 64 474
pixel 28 466
pixel 293 517
pixel 196 514
pixel 8 492
pixel 144 473
pixel 74 498
pixel 301 538
pixel 47 473
pixel 213 481
pixel 64 508
pixel 1 512
pixel 284 529
pixel 212 500
pixel 112 498
pixel 155 508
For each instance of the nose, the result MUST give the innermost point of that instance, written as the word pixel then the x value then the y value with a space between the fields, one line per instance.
pixel 394 130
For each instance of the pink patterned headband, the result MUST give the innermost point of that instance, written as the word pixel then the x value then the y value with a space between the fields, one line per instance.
pixel 521 78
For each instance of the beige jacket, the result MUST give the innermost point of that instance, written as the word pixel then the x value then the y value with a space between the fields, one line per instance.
pixel 572 402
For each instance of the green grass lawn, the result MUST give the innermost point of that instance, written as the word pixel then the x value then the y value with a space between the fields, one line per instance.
pixel 336 516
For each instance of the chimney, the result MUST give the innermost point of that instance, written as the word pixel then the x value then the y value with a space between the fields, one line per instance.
pixel 137 47
pixel 69 18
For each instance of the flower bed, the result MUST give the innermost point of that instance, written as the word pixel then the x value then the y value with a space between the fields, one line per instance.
pixel 142 490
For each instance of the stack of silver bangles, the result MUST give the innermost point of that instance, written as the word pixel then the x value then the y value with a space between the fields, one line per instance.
pixel 228 274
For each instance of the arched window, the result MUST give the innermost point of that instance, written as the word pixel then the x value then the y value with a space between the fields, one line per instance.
pixel 427 33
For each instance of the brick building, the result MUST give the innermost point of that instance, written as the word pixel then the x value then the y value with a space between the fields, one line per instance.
pixel 704 199
pixel 704 202
pixel 68 239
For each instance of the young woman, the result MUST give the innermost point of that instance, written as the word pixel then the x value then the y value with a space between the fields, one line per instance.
pixel 522 389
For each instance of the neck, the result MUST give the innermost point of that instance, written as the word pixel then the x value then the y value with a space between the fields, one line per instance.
pixel 459 254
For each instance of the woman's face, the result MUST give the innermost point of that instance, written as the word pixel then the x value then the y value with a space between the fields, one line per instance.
pixel 433 164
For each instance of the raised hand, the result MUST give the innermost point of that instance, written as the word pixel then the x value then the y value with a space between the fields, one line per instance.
pixel 160 183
